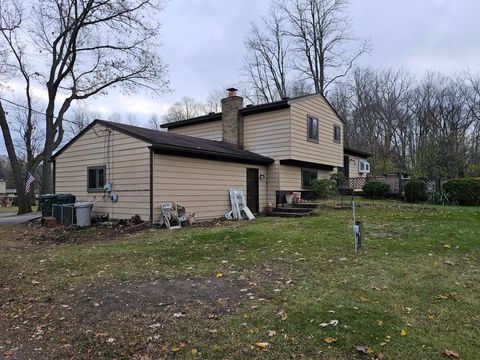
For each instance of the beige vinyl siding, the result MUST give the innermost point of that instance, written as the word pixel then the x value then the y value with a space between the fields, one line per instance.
pixel 353 167
pixel 291 177
pixel 268 133
pixel 273 182
pixel 210 130
pixel 326 151
pixel 128 167
pixel 200 185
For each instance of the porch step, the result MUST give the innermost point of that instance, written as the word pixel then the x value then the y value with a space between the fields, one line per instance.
pixel 303 205
pixel 293 209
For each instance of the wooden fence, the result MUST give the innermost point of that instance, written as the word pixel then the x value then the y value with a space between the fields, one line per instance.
pixel 395 182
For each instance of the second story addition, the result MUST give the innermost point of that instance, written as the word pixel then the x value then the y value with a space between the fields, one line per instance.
pixel 303 130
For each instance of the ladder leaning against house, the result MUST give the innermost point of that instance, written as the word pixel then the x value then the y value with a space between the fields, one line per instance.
pixel 239 206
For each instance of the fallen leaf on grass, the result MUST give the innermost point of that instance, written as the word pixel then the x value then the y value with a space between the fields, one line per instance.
pixel 219 275
pixel 443 296
pixel 363 299
pixel 272 333
pixel 178 315
pixel 282 315
pixel 331 322
pixel 449 262
pixel 262 345
pixel 450 353
pixel 194 352
pixel 364 349
pixel 446 246
pixel 329 340
pixel 379 356
pixel 403 332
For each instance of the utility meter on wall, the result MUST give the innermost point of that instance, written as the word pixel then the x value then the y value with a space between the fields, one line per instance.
pixel 108 186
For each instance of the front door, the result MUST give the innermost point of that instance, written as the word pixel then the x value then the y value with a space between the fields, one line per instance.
pixel 346 166
pixel 252 190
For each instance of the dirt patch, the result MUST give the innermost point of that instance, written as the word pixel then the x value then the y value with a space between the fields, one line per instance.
pixel 36 234
pixel 139 316
pixel 217 295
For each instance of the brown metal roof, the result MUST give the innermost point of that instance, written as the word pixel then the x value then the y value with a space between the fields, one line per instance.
pixel 177 144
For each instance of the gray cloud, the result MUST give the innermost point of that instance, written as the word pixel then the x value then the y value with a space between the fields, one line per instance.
pixel 202 41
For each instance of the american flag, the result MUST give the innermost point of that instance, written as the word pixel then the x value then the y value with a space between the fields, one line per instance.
pixel 29 179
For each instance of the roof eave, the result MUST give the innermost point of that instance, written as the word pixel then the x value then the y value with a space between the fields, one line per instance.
pixel 205 154
pixel 192 121
pixel 355 152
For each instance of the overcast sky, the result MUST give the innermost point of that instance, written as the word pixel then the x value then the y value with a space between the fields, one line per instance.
pixel 203 44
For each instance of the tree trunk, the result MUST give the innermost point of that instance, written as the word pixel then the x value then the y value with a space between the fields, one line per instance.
pixel 24 205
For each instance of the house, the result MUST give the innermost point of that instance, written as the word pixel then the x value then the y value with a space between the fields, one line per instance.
pixel 266 150
pixel 3 186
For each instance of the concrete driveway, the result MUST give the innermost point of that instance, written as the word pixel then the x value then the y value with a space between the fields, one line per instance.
pixel 13 218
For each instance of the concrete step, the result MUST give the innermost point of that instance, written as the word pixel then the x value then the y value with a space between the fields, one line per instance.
pixel 303 205
pixel 293 209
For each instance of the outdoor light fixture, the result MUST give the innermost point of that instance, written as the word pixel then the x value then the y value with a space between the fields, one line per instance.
pixel 262 176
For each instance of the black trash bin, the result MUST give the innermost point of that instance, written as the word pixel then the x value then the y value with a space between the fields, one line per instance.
pixel 63 199
pixel 46 202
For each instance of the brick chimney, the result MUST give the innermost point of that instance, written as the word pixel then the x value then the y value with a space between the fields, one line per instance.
pixel 232 120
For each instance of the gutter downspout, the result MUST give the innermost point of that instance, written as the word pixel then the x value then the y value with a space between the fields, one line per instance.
pixel 151 187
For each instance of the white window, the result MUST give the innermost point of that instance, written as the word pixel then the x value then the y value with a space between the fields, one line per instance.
pixel 363 166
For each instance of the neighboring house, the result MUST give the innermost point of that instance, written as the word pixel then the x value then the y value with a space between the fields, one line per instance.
pixel 3 187
pixel 265 150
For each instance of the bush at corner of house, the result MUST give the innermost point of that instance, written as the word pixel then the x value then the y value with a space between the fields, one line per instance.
pixel 464 191
pixel 323 188
pixel 376 189
pixel 415 190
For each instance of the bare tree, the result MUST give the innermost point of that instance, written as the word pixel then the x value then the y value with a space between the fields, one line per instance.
pixel 131 119
pixel 186 108
pixel 154 122
pixel 77 49
pixel 321 33
pixel 267 60
pixel 213 102
pixel 79 120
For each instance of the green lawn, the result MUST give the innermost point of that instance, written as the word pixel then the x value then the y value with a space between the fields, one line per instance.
pixel 411 293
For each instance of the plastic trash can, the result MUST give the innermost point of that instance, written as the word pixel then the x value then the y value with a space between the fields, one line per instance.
pixel 289 198
pixel 83 211
pixel 297 197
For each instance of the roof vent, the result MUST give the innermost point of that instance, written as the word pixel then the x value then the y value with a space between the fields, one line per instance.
pixel 211 113
pixel 249 105
pixel 232 92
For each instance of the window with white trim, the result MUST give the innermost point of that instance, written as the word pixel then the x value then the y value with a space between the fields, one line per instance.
pixel 312 128
pixel 363 166
pixel 337 134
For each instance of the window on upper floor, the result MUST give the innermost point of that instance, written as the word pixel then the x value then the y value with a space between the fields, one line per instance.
pixel 307 177
pixel 337 134
pixel 312 128
pixel 95 178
